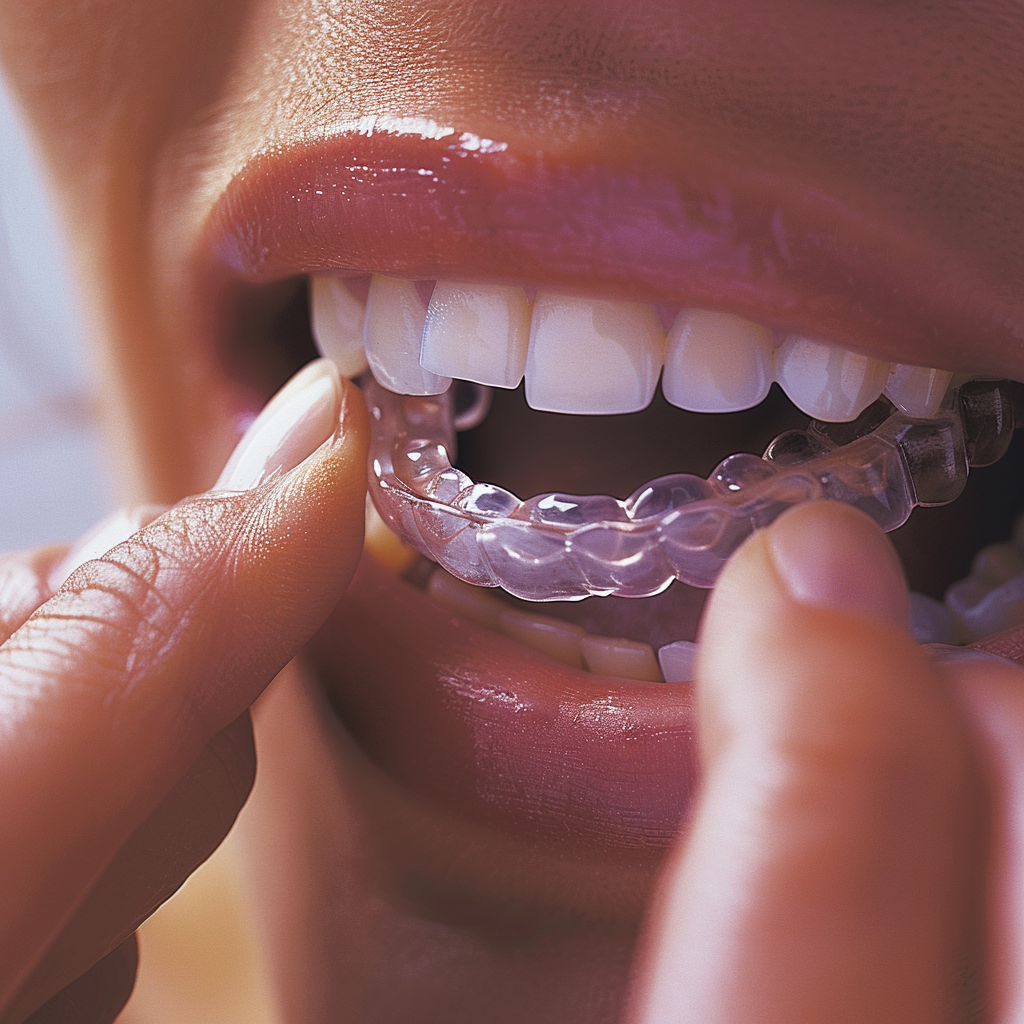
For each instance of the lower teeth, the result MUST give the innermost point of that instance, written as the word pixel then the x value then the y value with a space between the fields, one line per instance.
pixel 557 547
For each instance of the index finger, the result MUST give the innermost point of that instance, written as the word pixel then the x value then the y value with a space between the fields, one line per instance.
pixel 111 689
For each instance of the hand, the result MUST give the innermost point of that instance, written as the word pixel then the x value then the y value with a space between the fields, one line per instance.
pixel 125 743
pixel 857 852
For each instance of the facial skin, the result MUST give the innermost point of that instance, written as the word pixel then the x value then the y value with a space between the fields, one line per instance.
pixel 897 125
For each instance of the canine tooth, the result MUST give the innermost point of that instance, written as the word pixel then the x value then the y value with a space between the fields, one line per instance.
pixel 716 362
pixel 464 599
pixel 677 661
pixel 384 544
pixel 557 639
pixel 592 356
pixel 917 390
pixel 996 563
pixel 336 319
pixel 931 622
pixel 395 315
pixel 616 656
pixel 477 332
pixel 826 381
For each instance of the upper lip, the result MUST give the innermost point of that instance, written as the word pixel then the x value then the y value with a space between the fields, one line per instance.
pixel 779 250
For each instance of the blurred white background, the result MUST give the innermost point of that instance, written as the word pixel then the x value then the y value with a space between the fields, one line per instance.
pixel 54 481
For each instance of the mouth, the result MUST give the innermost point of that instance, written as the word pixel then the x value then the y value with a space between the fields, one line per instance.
pixel 587 388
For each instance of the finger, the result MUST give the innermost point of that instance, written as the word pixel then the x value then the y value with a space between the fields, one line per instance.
pixel 99 995
pixel 112 688
pixel 28 578
pixel 827 874
pixel 24 585
pixel 183 830
pixel 106 534
pixel 992 697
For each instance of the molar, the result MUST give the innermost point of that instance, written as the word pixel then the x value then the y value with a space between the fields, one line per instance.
pixel 477 332
pixel 592 356
pixel 997 563
pixel 931 622
pixel 716 362
pixel 336 318
pixel 395 317
pixel 826 381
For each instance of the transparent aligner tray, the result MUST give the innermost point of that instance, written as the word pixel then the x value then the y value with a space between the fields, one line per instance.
pixel 558 547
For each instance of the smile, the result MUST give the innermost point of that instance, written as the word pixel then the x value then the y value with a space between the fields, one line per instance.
pixel 883 437
pixel 587 387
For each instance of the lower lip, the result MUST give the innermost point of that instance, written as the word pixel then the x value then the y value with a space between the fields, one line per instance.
pixel 481 727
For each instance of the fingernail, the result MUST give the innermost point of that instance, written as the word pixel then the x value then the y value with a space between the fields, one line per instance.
pixel 106 534
pixel 294 423
pixel 831 555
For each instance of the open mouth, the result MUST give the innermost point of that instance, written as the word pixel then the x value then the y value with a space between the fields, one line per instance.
pixel 572 434
pixel 885 438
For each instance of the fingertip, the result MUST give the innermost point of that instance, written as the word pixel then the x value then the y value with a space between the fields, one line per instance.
pixel 831 555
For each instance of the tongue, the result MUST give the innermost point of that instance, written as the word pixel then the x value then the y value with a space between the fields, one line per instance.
pixel 669 616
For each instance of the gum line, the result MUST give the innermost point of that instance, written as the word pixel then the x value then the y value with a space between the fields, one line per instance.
pixel 562 547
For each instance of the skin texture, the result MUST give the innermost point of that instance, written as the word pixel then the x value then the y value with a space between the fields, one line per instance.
pixel 125 699
pixel 888 135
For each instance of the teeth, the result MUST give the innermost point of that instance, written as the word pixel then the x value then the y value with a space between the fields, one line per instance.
pixel 464 599
pixel 558 639
pixel 592 356
pixel 478 333
pixel 596 356
pixel 826 381
pixel 981 608
pixel 563 641
pixel 616 656
pixel 997 563
pixel 917 390
pixel 678 661
pixel 384 544
pixel 931 622
pixel 716 362
pixel 395 316
pixel 337 316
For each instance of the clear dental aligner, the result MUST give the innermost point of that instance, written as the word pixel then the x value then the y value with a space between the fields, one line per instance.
pixel 559 547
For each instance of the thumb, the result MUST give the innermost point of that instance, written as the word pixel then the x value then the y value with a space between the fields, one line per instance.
pixel 111 690
pixel 826 874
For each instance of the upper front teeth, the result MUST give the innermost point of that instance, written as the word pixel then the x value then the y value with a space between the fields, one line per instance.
pixel 717 362
pixel 592 355
pixel 395 317
pixel 337 316
pixel 477 332
pixel 596 356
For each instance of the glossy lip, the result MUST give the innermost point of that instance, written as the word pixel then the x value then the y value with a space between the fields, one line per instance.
pixel 468 720
pixel 776 250
pixel 476 723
